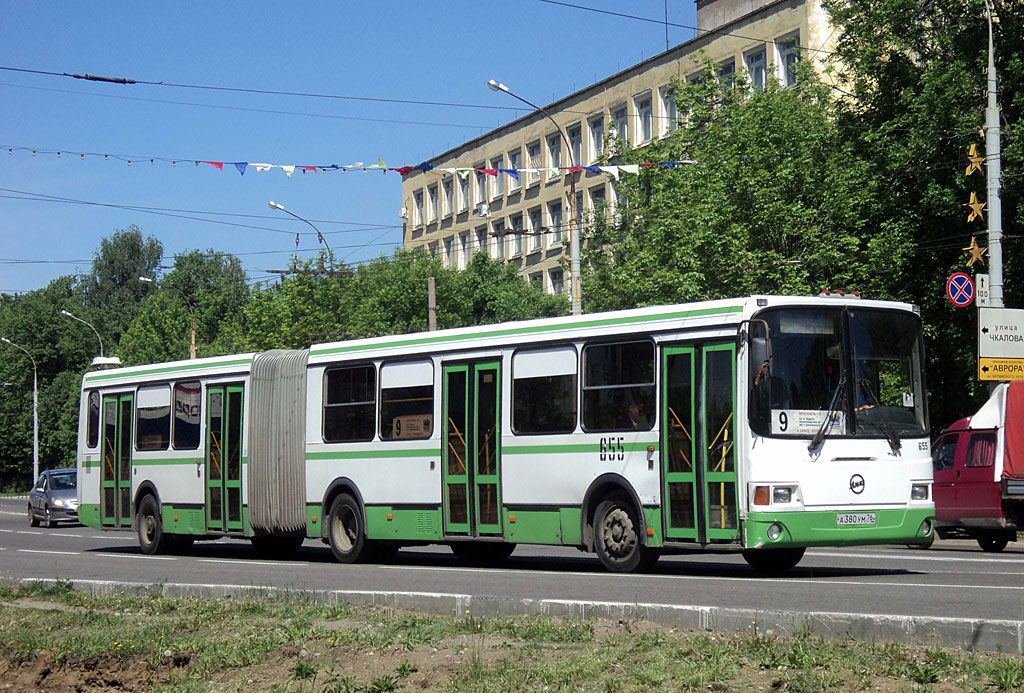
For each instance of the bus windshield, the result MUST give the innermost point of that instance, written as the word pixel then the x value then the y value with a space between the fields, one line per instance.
pixel 840 372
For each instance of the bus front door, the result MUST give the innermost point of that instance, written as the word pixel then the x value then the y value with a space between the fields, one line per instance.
pixel 471 496
pixel 698 439
pixel 116 477
pixel 224 457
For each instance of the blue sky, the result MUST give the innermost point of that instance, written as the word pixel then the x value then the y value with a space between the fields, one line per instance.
pixel 407 51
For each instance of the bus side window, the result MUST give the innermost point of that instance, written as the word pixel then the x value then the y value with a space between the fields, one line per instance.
pixel 406 400
pixel 349 403
pixel 93 430
pixel 187 408
pixel 618 386
pixel 153 418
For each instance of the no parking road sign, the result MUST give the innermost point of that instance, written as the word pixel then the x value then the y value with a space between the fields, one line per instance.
pixel 960 290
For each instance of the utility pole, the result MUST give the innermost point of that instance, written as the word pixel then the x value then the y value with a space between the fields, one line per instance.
pixel 431 305
pixel 993 166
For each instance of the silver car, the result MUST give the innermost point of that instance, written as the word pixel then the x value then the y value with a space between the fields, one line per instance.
pixel 54 498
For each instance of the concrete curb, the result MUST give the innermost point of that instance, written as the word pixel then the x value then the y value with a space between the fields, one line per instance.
pixel 970 634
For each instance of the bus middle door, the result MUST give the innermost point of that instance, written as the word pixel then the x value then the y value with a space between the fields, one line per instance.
pixel 224 457
pixel 116 470
pixel 471 497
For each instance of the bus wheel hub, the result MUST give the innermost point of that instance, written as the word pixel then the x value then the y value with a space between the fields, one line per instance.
pixel 619 536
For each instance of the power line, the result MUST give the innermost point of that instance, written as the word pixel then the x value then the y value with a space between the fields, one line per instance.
pixel 248 110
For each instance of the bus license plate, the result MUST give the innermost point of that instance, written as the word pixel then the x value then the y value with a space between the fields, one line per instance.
pixel 855 519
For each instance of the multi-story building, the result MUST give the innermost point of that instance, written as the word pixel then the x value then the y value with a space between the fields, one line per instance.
pixel 467 203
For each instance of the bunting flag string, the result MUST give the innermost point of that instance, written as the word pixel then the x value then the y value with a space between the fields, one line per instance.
pixel 289 169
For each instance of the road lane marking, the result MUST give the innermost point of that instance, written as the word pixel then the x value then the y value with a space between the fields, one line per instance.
pixel 1010 558
pixel 132 555
pixel 289 564
pixel 9 512
pixel 57 553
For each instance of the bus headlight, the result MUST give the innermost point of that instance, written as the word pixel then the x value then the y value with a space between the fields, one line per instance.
pixel 774 532
pixel 919 492
pixel 926 528
pixel 782 494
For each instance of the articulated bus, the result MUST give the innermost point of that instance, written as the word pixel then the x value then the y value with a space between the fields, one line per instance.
pixel 761 425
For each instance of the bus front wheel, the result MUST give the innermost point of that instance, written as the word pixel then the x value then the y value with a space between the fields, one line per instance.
pixel 347 534
pixel 617 539
pixel 773 561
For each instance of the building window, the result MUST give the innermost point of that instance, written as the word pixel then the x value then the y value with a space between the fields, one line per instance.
pixel 153 418
pixel 433 204
pixel 464 250
pixel 597 201
pixel 432 249
pixel 620 119
pixel 516 222
pixel 596 137
pixel 448 188
pixel 727 74
pixel 575 135
pixel 449 252
pixel 554 155
pixel 498 182
pixel 481 239
pixel 406 400
pixel 515 162
pixel 349 403
pixel 463 194
pixel 579 209
pixel 481 185
pixel 788 50
pixel 498 231
pixel 669 110
pixel 555 222
pixel 188 398
pixel 536 230
pixel 644 116
pixel 556 281
pixel 618 386
pixel 544 391
pixel 533 161
pixel 756 64
pixel 417 208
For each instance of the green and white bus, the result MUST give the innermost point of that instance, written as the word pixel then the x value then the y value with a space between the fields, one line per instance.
pixel 760 425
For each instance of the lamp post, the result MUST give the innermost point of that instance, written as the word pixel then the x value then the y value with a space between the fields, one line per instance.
pixel 319 236
pixel 574 241
pixel 191 312
pixel 35 408
pixel 89 325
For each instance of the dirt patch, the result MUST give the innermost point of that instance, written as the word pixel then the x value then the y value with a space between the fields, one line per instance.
pixel 105 672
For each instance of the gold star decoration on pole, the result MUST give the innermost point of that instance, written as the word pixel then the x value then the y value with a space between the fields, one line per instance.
pixel 976 207
pixel 977 252
pixel 974 161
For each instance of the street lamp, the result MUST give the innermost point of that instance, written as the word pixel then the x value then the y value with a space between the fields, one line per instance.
pixel 100 360
pixel 319 236
pixel 188 304
pixel 35 408
pixel 574 241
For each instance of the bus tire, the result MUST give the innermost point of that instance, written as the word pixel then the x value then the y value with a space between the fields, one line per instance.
pixel 152 539
pixel 617 539
pixel 773 561
pixel 276 547
pixel 482 553
pixel 993 543
pixel 347 533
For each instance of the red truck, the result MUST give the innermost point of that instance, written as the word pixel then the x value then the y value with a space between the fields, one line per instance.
pixel 978 464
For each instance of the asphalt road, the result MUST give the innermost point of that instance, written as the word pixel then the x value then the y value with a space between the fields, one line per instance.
pixel 952 579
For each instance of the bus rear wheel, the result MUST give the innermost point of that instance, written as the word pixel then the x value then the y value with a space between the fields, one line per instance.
pixel 773 561
pixel 617 539
pixel 346 533
pixel 152 539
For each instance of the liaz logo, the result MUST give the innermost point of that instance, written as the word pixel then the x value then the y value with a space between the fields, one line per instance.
pixel 857 484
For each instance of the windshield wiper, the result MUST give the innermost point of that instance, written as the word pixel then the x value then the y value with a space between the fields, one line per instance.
pixel 895 444
pixel 826 422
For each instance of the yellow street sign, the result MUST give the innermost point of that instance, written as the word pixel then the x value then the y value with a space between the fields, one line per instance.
pixel 1000 369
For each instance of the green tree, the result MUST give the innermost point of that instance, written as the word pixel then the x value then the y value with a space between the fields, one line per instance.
pixel 918 96
pixel 776 203
pixel 111 293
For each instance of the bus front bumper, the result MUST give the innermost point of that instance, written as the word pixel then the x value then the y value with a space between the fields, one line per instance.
pixel 839 528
